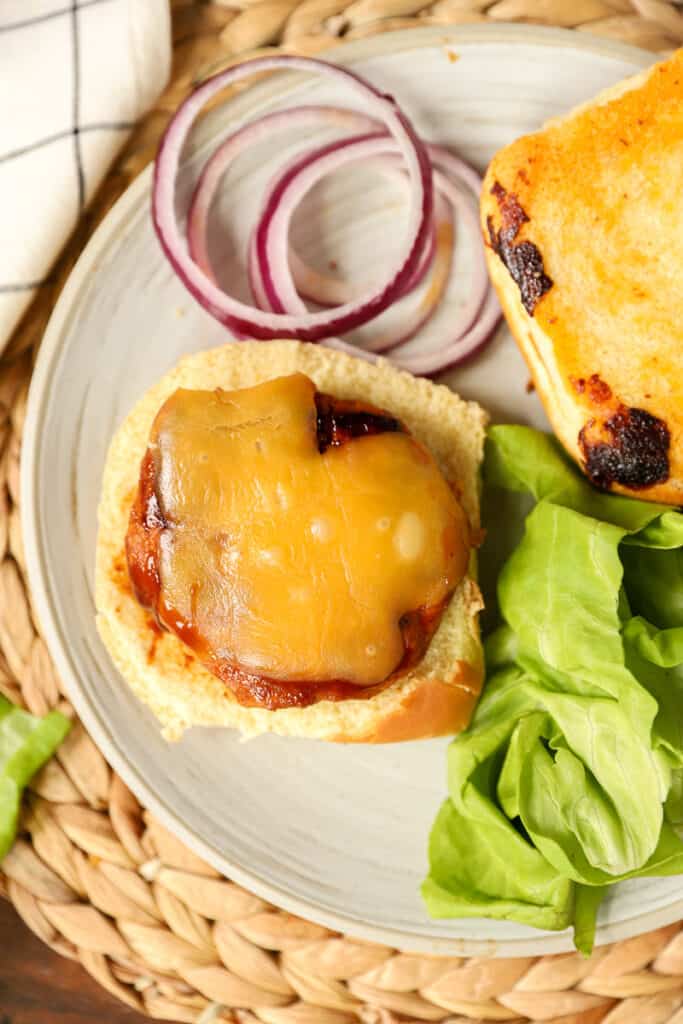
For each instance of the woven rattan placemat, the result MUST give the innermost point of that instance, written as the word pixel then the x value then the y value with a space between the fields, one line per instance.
pixel 93 874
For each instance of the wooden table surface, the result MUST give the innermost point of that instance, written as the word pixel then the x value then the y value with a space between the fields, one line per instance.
pixel 39 987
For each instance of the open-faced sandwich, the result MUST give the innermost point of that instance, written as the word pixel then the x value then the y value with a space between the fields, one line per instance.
pixel 584 227
pixel 286 540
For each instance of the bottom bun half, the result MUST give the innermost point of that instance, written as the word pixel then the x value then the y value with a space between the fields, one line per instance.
pixel 435 698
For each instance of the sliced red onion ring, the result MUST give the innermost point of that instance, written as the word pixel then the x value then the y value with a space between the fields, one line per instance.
pixel 325 290
pixel 319 287
pixel 271 236
pixel 314 286
pixel 457 352
pixel 455 167
pixel 459 349
pixel 310 283
pixel 305 172
pixel 248 134
pixel 480 315
pixel 274 281
pixel 306 326
pixel 436 278
pixel 270 269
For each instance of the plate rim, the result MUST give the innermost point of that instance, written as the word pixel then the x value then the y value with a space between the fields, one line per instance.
pixel 37 565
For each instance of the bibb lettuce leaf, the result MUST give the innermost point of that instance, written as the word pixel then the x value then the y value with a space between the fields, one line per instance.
pixel 26 743
pixel 570 777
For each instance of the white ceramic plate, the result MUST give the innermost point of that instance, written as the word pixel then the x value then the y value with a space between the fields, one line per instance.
pixel 335 834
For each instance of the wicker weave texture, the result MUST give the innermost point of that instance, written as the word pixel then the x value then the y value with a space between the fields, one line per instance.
pixel 93 874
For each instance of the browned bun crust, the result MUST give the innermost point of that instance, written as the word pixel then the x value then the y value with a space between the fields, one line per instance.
pixel 433 707
pixel 435 697
pixel 584 233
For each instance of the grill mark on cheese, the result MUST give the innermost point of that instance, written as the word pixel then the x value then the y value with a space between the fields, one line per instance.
pixel 336 423
pixel 522 259
pixel 339 421
pixel 630 448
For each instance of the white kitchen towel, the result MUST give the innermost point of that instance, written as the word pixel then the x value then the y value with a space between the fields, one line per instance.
pixel 74 78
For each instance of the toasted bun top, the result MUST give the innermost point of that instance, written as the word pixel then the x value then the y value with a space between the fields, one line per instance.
pixel 594 254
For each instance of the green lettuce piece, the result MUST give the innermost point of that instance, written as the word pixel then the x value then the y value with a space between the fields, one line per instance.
pixel 570 777
pixel 26 743
pixel 501 875
pixel 673 808
pixel 525 460
pixel 664 531
pixel 586 905
pixel 654 583
pixel 656 657
pixel 514 883
pixel 667 860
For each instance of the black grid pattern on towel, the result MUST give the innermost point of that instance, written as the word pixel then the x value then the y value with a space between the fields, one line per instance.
pixel 77 129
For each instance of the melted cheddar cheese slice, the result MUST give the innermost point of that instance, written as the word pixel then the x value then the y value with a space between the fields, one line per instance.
pixel 289 562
